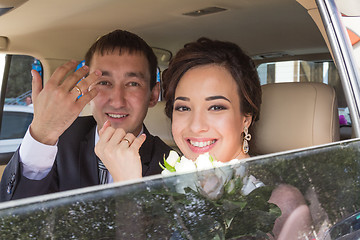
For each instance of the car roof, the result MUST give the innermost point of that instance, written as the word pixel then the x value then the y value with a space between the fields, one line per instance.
pixel 65 29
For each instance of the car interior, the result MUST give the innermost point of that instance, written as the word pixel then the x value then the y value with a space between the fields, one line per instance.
pixel 301 113
pixel 305 103
pixel 282 127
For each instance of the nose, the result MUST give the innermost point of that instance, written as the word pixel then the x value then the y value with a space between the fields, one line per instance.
pixel 117 97
pixel 198 122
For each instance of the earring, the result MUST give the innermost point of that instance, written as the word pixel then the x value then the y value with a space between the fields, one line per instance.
pixel 247 137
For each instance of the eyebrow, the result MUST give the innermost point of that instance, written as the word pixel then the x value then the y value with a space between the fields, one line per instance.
pixel 182 98
pixel 211 98
pixel 139 75
pixel 105 73
pixel 217 97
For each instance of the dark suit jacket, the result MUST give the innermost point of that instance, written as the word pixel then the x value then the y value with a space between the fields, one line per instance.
pixel 75 163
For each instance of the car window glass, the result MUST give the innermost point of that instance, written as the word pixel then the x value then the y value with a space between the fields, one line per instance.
pixel 18 108
pixel 213 204
pixel 350 17
pixel 14 124
pixel 309 71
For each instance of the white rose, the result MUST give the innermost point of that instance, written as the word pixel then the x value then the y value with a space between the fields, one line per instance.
pixel 218 164
pixel 234 161
pixel 203 162
pixel 250 183
pixel 185 165
pixel 172 158
pixel 166 173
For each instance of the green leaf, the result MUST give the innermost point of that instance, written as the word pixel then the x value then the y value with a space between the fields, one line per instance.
pixel 168 166
pixel 162 166
pixel 234 186
pixel 211 158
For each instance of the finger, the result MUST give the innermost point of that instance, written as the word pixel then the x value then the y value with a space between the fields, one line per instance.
pixel 83 86
pixel 77 92
pixel 60 73
pixel 116 138
pixel 86 98
pixel 127 140
pixel 74 78
pixel 36 84
pixel 138 142
pixel 85 83
pixel 106 135
pixel 106 125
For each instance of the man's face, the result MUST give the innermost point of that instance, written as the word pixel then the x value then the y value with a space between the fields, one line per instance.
pixel 123 90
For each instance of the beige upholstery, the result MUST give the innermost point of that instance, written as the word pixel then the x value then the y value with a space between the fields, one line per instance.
pixel 295 115
pixel 159 124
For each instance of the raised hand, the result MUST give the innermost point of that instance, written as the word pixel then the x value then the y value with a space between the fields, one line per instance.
pixel 57 105
pixel 119 151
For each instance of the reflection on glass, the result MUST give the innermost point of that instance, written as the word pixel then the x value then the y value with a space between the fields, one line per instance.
pixel 211 204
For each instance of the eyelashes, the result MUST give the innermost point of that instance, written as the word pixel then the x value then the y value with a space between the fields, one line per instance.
pixel 182 108
pixel 217 107
pixel 103 83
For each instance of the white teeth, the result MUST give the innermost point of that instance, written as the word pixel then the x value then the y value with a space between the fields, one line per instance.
pixel 116 115
pixel 202 144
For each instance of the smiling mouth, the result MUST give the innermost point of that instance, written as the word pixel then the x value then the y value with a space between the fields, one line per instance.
pixel 117 116
pixel 201 144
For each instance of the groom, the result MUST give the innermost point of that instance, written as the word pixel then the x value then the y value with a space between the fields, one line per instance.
pixel 57 152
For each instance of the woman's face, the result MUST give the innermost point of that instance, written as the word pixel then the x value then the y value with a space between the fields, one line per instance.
pixel 206 114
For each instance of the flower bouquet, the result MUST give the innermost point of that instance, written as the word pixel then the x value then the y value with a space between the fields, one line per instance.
pixel 221 195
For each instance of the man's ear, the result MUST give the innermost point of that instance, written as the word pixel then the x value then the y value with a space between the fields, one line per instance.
pixel 154 96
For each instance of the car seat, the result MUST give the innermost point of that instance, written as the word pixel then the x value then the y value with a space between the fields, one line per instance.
pixel 295 115
pixel 159 124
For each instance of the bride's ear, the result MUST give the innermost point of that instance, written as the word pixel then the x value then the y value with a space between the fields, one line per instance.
pixel 248 120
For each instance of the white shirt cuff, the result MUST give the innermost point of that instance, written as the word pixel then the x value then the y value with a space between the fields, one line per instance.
pixel 37 158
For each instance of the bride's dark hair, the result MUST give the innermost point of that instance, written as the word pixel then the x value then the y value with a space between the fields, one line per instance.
pixel 229 55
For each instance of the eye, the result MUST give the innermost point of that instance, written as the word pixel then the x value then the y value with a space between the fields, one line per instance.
pixel 182 109
pixel 133 84
pixel 217 108
pixel 103 83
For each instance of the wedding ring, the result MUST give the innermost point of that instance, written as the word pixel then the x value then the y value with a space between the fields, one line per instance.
pixel 79 90
pixel 127 141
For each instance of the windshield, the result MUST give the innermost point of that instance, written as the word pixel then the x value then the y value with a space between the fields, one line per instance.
pixel 203 205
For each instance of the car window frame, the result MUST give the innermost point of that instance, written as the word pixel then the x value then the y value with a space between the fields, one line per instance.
pixel 4 82
pixel 49 204
pixel 343 58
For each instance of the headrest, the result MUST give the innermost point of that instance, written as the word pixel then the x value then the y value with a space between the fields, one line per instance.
pixel 295 115
pixel 159 124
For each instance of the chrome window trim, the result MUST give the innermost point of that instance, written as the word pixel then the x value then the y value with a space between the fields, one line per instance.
pixel 342 53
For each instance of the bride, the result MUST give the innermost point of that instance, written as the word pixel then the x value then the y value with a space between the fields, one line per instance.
pixel 213 96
